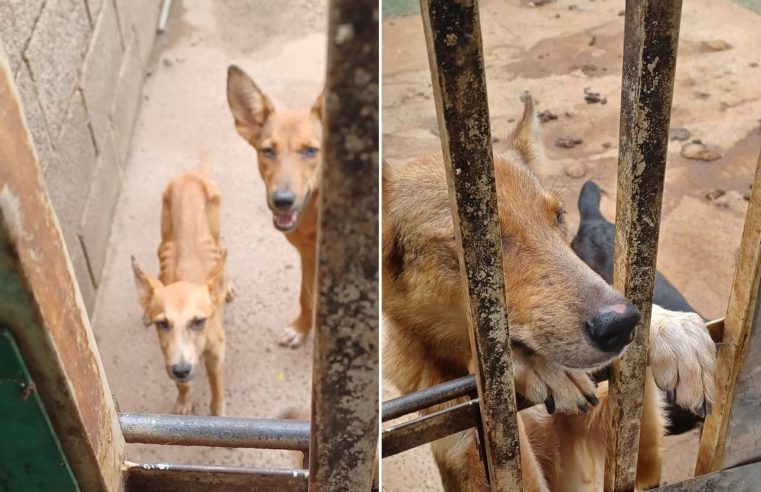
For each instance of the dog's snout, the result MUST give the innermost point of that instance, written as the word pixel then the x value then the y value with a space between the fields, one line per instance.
pixel 283 200
pixel 181 371
pixel 612 328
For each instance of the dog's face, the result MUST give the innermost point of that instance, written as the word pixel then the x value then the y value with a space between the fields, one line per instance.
pixel 558 307
pixel 287 145
pixel 180 312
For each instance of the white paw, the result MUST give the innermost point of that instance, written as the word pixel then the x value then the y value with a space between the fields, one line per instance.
pixel 291 338
pixel 683 359
pixel 218 408
pixel 183 408
pixel 540 380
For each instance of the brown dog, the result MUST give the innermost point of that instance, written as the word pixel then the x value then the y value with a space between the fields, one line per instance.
pixel 565 321
pixel 287 144
pixel 185 303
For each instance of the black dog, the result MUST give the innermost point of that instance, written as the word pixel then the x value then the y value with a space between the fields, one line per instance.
pixel 594 244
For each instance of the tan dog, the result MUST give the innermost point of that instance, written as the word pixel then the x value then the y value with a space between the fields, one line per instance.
pixel 565 322
pixel 287 144
pixel 185 303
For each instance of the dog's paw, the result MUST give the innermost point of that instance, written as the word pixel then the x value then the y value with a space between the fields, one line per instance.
pixel 540 380
pixel 683 359
pixel 230 292
pixel 182 408
pixel 291 338
pixel 218 408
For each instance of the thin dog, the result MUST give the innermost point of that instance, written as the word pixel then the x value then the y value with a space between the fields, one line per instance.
pixel 287 144
pixel 565 322
pixel 185 303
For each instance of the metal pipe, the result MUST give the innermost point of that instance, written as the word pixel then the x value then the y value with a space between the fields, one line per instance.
pixel 430 427
pixel 164 15
pixel 412 402
pixel 192 478
pixel 228 432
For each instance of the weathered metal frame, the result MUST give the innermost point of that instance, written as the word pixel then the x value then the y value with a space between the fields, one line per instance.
pixel 651 36
pixel 41 307
pixel 345 377
pixel 455 55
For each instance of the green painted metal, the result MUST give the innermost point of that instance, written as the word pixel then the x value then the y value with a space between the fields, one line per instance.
pixel 31 458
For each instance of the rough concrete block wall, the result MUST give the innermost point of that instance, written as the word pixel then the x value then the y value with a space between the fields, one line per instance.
pixel 79 66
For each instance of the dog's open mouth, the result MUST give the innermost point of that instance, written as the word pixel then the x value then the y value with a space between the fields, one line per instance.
pixel 285 221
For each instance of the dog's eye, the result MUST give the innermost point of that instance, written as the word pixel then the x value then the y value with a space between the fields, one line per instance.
pixel 162 324
pixel 269 152
pixel 309 151
pixel 197 324
pixel 561 216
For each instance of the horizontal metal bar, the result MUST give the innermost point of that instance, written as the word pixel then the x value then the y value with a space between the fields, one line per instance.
pixel 412 402
pixel 430 427
pixel 228 432
pixel 189 478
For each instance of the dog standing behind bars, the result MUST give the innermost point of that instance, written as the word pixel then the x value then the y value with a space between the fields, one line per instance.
pixel 565 322
pixel 287 144
pixel 185 303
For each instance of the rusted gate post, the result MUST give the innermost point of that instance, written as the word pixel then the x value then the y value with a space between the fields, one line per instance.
pixel 732 433
pixel 455 54
pixel 344 432
pixel 41 307
pixel 651 35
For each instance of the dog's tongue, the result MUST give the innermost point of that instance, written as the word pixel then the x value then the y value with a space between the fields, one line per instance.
pixel 285 220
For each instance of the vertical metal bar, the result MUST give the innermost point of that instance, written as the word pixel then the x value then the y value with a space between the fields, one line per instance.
pixel 650 49
pixel 42 308
pixel 455 54
pixel 344 432
pixel 734 418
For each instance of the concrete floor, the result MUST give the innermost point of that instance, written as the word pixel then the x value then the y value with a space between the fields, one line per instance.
pixel 185 111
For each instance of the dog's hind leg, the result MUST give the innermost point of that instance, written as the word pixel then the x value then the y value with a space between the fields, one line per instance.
pixel 183 405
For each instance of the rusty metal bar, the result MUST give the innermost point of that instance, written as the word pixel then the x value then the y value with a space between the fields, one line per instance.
pixel 228 432
pixel 344 433
pixel 430 427
pixel 41 306
pixel 651 36
pixel 455 54
pixel 412 402
pixel 187 478
pixel 731 433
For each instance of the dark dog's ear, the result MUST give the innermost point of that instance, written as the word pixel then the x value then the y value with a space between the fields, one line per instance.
pixel 525 138
pixel 319 103
pixel 248 104
pixel 589 201
pixel 146 286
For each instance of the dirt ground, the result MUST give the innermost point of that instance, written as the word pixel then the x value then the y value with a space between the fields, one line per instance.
pixel 183 112
pixel 555 52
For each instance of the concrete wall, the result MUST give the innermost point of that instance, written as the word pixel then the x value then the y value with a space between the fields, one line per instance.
pixel 79 66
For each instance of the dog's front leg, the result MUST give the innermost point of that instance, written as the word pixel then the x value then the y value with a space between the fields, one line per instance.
pixel 683 358
pixel 216 371
pixel 183 405
pixel 295 334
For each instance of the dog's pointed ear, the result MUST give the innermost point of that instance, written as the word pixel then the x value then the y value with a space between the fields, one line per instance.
pixel 319 103
pixel 525 138
pixel 146 285
pixel 216 279
pixel 248 104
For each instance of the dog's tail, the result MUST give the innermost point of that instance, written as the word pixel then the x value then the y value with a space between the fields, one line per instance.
pixel 204 162
pixel 589 201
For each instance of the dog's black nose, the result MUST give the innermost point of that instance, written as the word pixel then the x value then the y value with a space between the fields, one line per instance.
pixel 613 327
pixel 181 370
pixel 283 199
